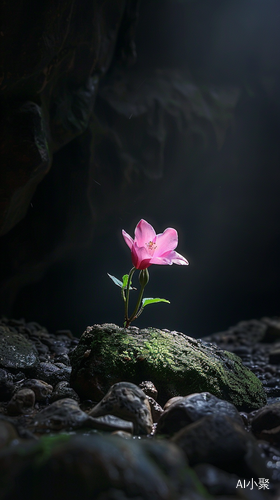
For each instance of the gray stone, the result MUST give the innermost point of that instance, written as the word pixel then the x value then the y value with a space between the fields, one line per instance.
pixel 111 423
pixel 127 401
pixel 266 423
pixel 51 373
pixel 156 409
pixel 222 442
pixel 40 388
pixel 22 401
pixel 15 350
pixel 193 407
pixel 63 390
pixel 148 387
pixel 63 414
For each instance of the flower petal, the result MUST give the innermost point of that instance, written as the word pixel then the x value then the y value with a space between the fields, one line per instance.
pixel 161 261
pixel 140 257
pixel 177 258
pixel 166 241
pixel 144 233
pixel 127 238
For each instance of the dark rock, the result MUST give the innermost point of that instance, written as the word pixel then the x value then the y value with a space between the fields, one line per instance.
pixel 63 390
pixel 6 385
pixel 40 388
pixel 192 408
pixel 129 402
pixel 178 365
pixel 266 423
pixel 170 401
pixel 52 374
pixel 99 468
pixel 8 433
pixel 245 333
pixel 222 442
pixel 63 414
pixel 156 409
pixel 110 423
pixel 148 387
pixel 22 401
pixel 15 350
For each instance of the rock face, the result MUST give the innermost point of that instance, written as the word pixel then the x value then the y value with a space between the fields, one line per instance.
pixel 177 364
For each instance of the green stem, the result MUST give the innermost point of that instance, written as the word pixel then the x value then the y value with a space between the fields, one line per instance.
pixel 127 294
pixel 138 305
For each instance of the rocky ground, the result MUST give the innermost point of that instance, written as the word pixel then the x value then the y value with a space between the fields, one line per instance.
pixel 83 419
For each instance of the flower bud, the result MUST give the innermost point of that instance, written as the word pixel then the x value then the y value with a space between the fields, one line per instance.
pixel 143 277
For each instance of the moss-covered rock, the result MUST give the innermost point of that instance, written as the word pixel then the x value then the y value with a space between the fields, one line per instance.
pixel 177 365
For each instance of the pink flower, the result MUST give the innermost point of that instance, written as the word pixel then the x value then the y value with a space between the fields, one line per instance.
pixel 150 248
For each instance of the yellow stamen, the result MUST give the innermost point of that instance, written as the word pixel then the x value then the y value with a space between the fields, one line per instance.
pixel 151 246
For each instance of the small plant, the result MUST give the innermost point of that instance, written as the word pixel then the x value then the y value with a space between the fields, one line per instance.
pixel 147 248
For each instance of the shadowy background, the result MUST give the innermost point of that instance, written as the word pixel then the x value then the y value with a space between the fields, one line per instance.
pixel 219 187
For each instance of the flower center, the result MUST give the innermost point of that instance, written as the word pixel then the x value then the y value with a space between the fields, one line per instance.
pixel 151 246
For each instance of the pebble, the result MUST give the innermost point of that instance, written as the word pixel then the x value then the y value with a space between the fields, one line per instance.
pixel 156 409
pixel 127 401
pixel 41 389
pixel 22 401
pixel 63 390
pixel 63 414
pixel 149 388
pixel 193 407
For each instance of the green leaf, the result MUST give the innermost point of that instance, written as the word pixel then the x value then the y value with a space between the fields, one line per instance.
pixel 124 281
pixel 122 284
pixel 147 301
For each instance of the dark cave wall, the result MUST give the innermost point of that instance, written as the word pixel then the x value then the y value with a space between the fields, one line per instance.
pixel 187 137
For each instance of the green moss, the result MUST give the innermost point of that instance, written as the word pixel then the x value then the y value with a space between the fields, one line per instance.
pixel 177 364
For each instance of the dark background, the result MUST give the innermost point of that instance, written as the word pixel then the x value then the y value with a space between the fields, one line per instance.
pixel 223 199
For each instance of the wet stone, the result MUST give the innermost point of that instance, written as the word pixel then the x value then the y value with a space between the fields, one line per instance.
pixel 192 408
pixel 265 423
pixel 52 374
pixel 110 423
pixel 220 441
pixel 63 414
pixel 63 390
pixel 15 350
pixel 149 388
pixel 22 401
pixel 127 401
pixel 41 389
pixel 156 409
pixel 6 385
